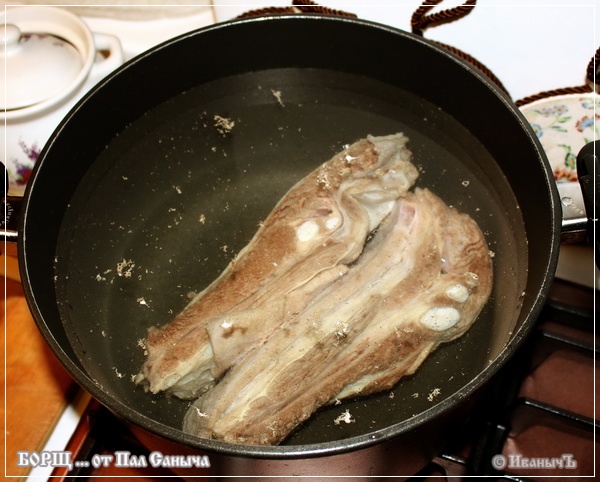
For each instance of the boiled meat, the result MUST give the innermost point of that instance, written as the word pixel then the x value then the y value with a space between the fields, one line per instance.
pixel 315 232
pixel 422 280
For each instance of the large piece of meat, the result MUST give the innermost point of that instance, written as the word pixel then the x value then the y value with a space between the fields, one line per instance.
pixel 422 280
pixel 315 232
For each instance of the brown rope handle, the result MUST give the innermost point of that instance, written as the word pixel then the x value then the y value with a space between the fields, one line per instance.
pixel 311 7
pixel 266 11
pixel 421 21
pixel 590 86
pixel 298 6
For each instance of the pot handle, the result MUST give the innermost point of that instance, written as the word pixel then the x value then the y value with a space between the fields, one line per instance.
pixel 588 172
pixel 578 199
pixel 109 56
pixel 11 207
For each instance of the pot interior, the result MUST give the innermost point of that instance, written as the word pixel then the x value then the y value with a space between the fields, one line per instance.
pixel 162 199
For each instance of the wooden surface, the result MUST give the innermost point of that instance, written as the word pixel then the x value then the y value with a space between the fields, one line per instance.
pixel 37 386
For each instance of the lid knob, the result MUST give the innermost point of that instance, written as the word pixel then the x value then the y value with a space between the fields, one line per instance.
pixel 10 35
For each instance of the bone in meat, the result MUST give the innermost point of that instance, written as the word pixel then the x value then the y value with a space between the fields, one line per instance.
pixel 420 282
pixel 315 231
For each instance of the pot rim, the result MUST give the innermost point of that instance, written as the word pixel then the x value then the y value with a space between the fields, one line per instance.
pixel 338 446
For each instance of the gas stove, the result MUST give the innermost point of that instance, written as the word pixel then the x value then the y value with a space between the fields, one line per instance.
pixel 537 416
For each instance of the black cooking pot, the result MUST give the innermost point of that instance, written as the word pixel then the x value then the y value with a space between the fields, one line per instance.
pixel 138 191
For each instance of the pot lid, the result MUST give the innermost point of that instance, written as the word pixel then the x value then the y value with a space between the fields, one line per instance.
pixel 38 67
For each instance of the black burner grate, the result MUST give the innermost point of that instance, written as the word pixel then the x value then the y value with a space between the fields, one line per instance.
pixel 565 326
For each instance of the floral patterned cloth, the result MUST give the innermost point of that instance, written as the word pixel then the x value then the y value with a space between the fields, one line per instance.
pixel 564 124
